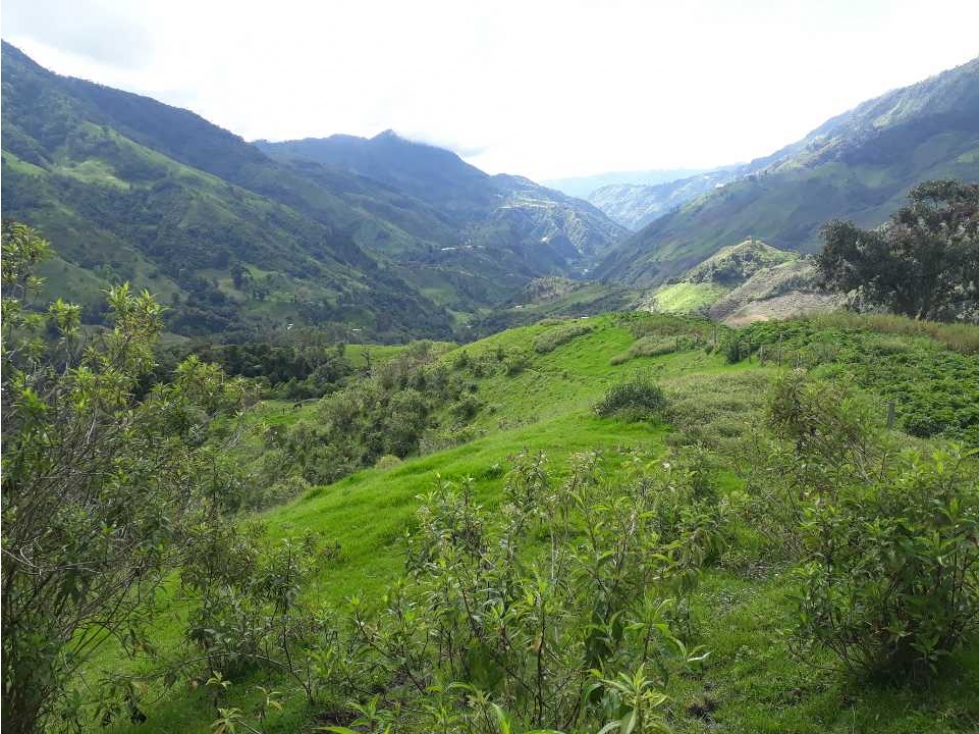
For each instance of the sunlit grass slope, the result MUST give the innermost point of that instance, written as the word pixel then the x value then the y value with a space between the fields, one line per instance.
pixel 751 682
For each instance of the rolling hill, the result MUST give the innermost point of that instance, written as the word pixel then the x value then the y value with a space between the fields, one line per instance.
pixel 858 165
pixel 744 600
pixel 744 283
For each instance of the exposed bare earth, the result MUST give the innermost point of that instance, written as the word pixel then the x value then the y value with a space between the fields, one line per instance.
pixel 780 292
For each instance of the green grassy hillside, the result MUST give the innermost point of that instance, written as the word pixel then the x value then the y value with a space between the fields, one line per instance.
pixel 534 389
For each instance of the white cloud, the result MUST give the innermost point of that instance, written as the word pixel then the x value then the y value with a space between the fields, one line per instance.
pixel 544 89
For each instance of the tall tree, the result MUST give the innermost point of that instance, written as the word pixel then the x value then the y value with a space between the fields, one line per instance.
pixel 924 263
pixel 98 484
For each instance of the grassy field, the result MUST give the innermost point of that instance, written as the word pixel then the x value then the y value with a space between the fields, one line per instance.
pixel 750 683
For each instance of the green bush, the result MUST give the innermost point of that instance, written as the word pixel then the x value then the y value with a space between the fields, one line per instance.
pixel 890 576
pixel 388 461
pixel 516 363
pixel 891 585
pixel 638 399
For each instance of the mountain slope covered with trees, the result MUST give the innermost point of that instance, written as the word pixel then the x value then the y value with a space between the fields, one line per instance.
pixel 489 211
pixel 233 239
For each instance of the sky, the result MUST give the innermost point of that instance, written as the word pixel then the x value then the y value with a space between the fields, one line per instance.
pixel 538 88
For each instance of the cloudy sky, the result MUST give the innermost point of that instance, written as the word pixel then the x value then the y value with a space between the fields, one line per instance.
pixel 545 89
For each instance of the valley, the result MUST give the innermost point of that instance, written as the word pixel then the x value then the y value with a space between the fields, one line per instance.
pixel 329 432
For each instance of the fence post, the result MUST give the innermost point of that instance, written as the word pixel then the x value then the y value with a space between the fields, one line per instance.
pixel 890 414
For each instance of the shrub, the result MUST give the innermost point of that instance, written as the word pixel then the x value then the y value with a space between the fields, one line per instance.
pixel 733 350
pixel 889 581
pixel 388 461
pixel 890 586
pixel 267 495
pixel 637 399
pixel 517 363
pixel 466 408
pixel 654 346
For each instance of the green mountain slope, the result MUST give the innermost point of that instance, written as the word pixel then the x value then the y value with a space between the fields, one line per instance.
pixel 858 165
pixel 503 214
pixel 131 189
pixel 636 205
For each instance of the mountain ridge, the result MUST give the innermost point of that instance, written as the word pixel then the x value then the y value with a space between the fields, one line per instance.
pixel 125 186
pixel 857 165
pixel 464 194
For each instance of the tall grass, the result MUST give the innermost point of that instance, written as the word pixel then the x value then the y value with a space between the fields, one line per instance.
pixel 962 338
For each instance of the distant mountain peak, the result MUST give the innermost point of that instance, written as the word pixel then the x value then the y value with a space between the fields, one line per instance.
pixel 391 134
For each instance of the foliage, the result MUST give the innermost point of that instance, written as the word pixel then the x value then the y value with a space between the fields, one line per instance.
pixel 519 626
pixel 98 485
pixel 935 390
pixel 389 414
pixel 639 398
pixel 290 372
pixel 924 264
pixel 889 582
pixel 553 338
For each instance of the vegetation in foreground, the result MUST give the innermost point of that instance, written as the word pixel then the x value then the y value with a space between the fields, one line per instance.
pixel 633 522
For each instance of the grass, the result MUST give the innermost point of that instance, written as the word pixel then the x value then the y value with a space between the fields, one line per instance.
pixel 751 682
pixel 687 297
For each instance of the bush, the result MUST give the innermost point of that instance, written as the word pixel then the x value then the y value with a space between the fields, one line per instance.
pixel 638 399
pixel 517 363
pixel 891 582
pixel 466 408
pixel 262 496
pixel 388 461
pixel 654 346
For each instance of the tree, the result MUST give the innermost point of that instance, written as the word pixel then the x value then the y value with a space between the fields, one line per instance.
pixel 924 263
pixel 98 484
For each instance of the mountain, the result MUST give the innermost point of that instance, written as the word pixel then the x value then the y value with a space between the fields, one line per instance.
pixel 510 216
pixel 858 165
pixel 232 238
pixel 127 188
pixel 634 205
pixel 584 186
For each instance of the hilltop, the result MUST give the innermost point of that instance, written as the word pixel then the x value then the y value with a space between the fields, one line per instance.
pixel 743 274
